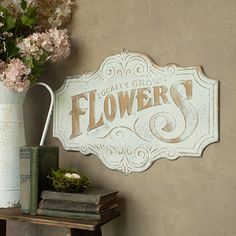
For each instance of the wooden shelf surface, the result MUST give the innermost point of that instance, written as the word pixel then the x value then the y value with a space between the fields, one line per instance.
pixel 91 225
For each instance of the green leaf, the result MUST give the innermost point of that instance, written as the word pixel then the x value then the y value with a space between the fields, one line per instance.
pixel 36 66
pixel 12 49
pixel 23 4
pixel 29 18
pixel 27 21
pixel 28 62
pixel 10 22
pixel 7 19
pixel 3 9
pixel 37 71
pixel 43 59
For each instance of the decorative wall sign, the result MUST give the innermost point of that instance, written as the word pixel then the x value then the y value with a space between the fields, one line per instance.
pixel 131 112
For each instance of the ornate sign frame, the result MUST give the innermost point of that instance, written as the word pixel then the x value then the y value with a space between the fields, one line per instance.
pixel 132 112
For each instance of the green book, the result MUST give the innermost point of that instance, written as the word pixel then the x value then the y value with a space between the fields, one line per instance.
pixel 35 165
pixel 76 206
pixel 74 215
pixel 93 195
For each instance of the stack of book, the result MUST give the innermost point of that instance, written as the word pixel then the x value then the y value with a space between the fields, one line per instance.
pixel 92 204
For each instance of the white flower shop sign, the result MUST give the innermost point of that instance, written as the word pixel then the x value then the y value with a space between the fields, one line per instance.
pixel 131 112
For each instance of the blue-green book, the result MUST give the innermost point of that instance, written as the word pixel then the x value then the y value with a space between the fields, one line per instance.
pixel 35 165
pixel 76 215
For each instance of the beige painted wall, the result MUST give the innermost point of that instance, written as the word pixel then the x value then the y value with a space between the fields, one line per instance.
pixel 186 197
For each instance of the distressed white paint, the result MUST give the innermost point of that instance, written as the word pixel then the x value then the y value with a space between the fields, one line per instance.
pixel 182 123
pixel 12 136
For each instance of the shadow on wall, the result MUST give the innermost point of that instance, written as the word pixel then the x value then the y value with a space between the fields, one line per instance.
pixel 62 69
pixel 35 112
pixel 117 227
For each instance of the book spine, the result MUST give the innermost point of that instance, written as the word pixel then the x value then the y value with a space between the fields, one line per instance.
pixel 25 158
pixel 69 206
pixel 35 164
pixel 29 179
pixel 34 181
pixel 76 207
pixel 70 197
pixel 66 214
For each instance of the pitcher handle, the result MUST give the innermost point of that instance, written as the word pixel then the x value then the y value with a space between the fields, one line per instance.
pixel 45 129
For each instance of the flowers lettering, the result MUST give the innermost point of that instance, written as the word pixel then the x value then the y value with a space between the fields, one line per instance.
pixel 31 35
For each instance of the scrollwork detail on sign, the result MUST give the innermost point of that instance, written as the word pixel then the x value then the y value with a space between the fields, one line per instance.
pixel 122 158
pixel 142 155
pixel 121 132
pixel 124 65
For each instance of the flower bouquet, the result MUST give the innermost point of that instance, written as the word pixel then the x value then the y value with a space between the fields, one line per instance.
pixel 31 36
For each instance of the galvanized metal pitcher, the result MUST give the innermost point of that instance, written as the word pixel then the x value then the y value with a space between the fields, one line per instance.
pixel 12 136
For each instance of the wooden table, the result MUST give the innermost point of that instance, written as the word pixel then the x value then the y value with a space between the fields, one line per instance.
pixel 75 227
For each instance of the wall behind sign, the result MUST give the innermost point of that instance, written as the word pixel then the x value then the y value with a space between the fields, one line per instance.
pixel 189 196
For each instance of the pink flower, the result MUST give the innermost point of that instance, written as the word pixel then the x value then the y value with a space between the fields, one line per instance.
pixel 31 46
pixel 54 42
pixel 2 65
pixel 53 13
pixel 61 44
pixel 14 76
